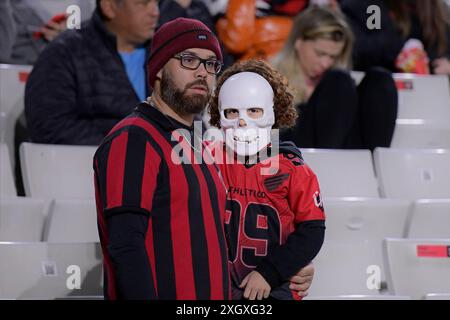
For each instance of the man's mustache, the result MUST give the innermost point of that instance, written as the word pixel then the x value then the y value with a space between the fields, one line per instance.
pixel 199 82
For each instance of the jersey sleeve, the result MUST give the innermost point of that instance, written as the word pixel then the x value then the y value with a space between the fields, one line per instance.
pixel 127 172
pixel 304 195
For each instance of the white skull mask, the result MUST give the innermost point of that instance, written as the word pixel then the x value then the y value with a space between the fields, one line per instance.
pixel 243 91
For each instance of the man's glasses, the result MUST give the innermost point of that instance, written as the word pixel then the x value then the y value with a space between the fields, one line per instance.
pixel 191 62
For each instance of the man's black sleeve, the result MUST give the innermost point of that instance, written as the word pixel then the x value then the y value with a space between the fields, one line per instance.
pixel 299 250
pixel 126 247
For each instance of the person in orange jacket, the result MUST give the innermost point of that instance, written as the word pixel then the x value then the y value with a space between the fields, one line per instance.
pixel 257 29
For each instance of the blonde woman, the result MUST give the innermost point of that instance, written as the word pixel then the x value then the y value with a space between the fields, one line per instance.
pixel 334 112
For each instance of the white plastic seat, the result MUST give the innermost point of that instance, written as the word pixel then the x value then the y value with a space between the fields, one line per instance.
pixel 430 218
pixel 421 134
pixel 72 220
pixel 367 221
pixel 343 173
pixel 3 125
pixel 415 267
pixel 342 269
pixel 7 185
pixel 413 173
pixel 22 219
pixel 423 97
pixel 12 89
pixel 42 270
pixel 57 171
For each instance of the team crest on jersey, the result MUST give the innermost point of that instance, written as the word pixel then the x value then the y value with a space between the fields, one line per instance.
pixel 318 200
pixel 296 160
pixel 274 182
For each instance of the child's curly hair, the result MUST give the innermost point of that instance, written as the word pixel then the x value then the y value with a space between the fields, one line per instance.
pixel 285 111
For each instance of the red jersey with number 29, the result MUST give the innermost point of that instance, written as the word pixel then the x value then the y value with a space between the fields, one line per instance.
pixel 263 210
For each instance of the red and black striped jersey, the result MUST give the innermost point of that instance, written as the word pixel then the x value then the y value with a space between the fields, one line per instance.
pixel 137 173
pixel 265 203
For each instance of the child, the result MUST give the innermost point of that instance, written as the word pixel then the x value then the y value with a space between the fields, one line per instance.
pixel 274 222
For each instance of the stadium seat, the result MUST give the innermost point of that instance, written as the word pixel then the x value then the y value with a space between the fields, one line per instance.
pixel 421 134
pixel 343 173
pixel 430 218
pixel 42 270
pixel 368 221
pixel 344 269
pixel 3 124
pixel 57 171
pixel 22 219
pixel 7 185
pixel 416 267
pixel 12 88
pixel 72 220
pixel 413 173
pixel 423 97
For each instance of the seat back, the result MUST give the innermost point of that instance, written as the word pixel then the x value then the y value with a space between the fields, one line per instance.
pixel 72 220
pixel 423 96
pixel 343 173
pixel 57 171
pixel 22 219
pixel 413 173
pixel 343 269
pixel 366 221
pixel 12 90
pixel 421 134
pixel 7 185
pixel 39 270
pixel 430 218
pixel 415 267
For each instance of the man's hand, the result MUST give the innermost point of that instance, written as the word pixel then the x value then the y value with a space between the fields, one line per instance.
pixel 51 30
pixel 256 287
pixel 302 280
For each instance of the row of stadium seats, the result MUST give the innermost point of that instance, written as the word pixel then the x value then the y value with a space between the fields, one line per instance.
pixel 356 238
pixel 391 173
pixel 414 269
pixel 356 226
pixel 59 220
pixel 386 213
pixel 349 220
pixel 423 118
pixel 58 171
pixel 41 270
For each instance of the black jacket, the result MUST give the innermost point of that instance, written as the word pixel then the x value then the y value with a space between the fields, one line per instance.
pixel 78 89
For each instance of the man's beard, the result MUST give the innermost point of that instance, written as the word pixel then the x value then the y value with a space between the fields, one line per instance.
pixel 181 102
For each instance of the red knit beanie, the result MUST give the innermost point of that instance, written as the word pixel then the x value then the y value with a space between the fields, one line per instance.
pixel 175 36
